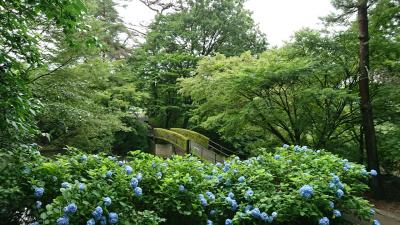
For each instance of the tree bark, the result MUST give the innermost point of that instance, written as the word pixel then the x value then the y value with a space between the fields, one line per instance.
pixel 365 103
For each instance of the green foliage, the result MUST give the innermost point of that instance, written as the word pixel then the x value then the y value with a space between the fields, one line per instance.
pixel 14 189
pixel 274 180
pixel 281 96
pixel 22 26
pixel 90 106
pixel 176 41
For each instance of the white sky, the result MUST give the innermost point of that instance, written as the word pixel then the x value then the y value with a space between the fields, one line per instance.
pixel 278 19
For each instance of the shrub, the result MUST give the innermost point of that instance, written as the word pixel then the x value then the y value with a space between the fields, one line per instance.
pixel 292 186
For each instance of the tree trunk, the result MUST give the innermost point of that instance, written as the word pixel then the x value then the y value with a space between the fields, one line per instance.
pixel 366 107
pixel 361 146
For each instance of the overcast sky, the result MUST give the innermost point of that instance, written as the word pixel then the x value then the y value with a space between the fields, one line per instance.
pixel 278 19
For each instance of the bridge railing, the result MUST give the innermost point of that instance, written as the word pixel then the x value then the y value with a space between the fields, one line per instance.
pixel 172 137
pixel 193 136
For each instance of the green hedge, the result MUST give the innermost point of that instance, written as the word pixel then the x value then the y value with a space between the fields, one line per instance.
pixel 183 190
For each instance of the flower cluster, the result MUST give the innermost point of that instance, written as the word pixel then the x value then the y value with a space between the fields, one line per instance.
pixel 65 185
pixel 337 185
pixel 109 173
pixel 107 201
pixel 306 191
pixel 203 201
pixel 231 201
pixel 70 209
pixel 38 192
pixel 324 221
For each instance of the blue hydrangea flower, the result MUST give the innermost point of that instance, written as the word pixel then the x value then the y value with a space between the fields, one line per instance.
pixel 34 223
pixel 337 213
pixel 297 148
pixel 91 222
pixel 256 213
pixel 234 205
pixel 264 217
pixel 248 208
pixel 372 212
pixel 324 221
pixel 373 173
pixel 38 204
pixel 340 185
pixel 228 182
pixel 274 214
pixel 134 182
pixel 249 193
pixel 218 164
pixel 128 169
pixel 113 217
pixel 277 157
pixel 158 174
pixel 203 201
pixel 38 192
pixel 83 158
pixel 235 171
pixel 63 220
pixel 107 201
pixel 376 222
pixel 306 191
pixel 336 179
pixel 181 188
pixel 138 191
pixel 109 173
pixel 153 164
pixel 103 220
pixel 228 222
pixel 339 193
pixel 139 176
pixel 209 222
pixel 82 186
pixel 65 185
pixel 285 146
pixel 226 168
pixel 241 179
pixel 331 205
pixel 210 195
pixel 346 167
pixel 213 212
pixel 97 213
pixel 231 195
pixel 70 208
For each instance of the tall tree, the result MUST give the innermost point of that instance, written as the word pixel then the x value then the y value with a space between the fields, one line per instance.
pixel 177 40
pixel 361 7
pixel 366 106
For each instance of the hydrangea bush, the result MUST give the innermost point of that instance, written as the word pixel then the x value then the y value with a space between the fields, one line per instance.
pixel 294 185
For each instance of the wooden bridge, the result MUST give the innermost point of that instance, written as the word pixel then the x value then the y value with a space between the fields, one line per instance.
pixel 182 141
